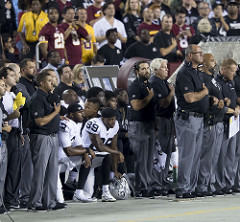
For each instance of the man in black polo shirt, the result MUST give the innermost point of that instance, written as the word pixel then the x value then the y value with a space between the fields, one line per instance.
pixel 225 174
pixel 44 146
pixel 192 99
pixel 144 48
pixel 213 130
pixel 165 107
pixel 141 129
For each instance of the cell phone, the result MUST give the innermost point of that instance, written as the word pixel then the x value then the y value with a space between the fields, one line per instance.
pixel 76 17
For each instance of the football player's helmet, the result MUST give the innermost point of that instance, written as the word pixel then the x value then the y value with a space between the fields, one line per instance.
pixel 119 188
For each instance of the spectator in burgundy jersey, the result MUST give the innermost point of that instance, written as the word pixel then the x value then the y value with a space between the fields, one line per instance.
pixel 73 32
pixel 62 4
pixel 148 24
pixel 53 35
pixel 94 12
pixel 182 31
pixel 166 41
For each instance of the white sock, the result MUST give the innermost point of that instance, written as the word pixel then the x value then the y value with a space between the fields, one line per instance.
pixel 79 192
pixel 105 188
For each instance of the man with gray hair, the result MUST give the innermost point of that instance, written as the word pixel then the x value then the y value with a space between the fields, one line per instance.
pixel 192 100
pixel 165 108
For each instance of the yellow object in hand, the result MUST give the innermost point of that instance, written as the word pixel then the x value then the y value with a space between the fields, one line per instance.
pixel 19 101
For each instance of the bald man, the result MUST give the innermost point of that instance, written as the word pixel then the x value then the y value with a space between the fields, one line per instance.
pixel 213 130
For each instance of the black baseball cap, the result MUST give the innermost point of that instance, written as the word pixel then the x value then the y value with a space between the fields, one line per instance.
pixel 232 2
pixel 75 107
pixel 217 3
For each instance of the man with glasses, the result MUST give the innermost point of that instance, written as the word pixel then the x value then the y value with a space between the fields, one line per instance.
pixel 204 10
pixel 192 100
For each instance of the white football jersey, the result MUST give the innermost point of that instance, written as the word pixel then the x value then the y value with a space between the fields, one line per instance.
pixel 68 135
pixel 96 126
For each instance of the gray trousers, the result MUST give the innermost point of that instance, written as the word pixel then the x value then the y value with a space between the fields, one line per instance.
pixel 166 140
pixel 212 141
pixel 12 182
pixel 3 168
pixel 44 150
pixel 27 170
pixel 142 141
pixel 189 138
pixel 236 166
pixel 225 175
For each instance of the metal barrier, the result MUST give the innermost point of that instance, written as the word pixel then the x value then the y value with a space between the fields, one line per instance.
pixel 37 54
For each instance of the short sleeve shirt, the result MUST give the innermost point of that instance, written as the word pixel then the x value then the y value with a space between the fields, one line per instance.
pixel 138 90
pixel 26 25
pixel 161 91
pixel 73 46
pixel 55 38
pixel 102 25
pixel 190 80
pixel 39 108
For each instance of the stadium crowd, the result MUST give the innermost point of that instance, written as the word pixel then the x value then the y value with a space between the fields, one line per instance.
pixel 61 139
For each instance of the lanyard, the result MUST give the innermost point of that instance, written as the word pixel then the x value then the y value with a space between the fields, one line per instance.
pixel 34 23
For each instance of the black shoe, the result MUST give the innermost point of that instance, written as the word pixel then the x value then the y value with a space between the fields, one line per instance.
pixel 199 194
pixel 2 210
pixel 171 191
pixel 13 204
pixel 236 191
pixel 208 194
pixel 59 206
pixel 179 196
pixel 37 209
pixel 227 191
pixel 143 194
pixel 188 195
pixel 218 193
pixel 156 194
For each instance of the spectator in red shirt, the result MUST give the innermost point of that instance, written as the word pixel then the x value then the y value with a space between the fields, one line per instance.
pixel 53 35
pixel 62 4
pixel 181 31
pixel 73 32
pixel 94 12
pixel 148 24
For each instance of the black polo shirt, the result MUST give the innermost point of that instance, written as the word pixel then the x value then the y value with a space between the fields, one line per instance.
pixel 163 40
pixel 228 89
pixel 39 108
pixel 138 49
pixel 111 56
pixel 161 91
pixel 215 89
pixel 190 80
pixel 30 85
pixel 138 90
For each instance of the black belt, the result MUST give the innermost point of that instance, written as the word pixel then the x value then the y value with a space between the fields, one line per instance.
pixel 185 113
pixel 197 115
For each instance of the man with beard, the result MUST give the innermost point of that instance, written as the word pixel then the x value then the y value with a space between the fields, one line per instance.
pixel 52 35
pixel 166 42
pixel 213 130
pixel 233 19
pixel 144 48
pixel 141 128
pixel 28 73
pixel 192 99
pixel 111 53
